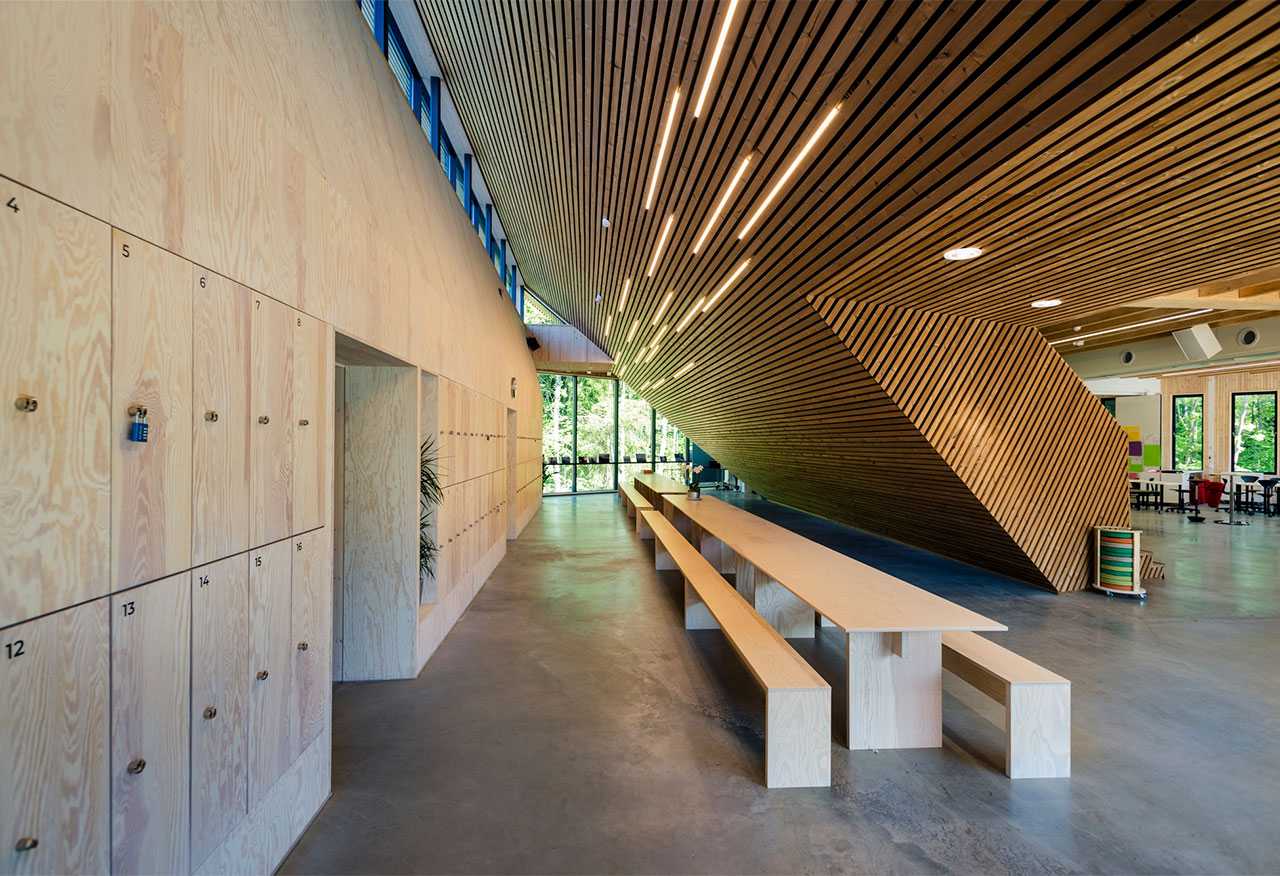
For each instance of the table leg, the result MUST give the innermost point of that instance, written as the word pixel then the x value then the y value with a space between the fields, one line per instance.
pixel 895 690
pixel 782 609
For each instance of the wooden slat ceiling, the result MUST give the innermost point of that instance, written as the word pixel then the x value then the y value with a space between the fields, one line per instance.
pixel 1099 153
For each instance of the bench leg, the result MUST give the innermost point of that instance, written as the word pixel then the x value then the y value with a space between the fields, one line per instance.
pixel 1038 734
pixel 797 738
pixel 643 529
pixel 709 546
pixel 895 690
pixel 784 611
pixel 662 560
pixel 728 559
pixel 744 580
pixel 696 614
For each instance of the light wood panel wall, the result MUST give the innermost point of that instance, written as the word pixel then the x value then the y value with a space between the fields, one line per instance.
pixel 1217 390
pixel 192 131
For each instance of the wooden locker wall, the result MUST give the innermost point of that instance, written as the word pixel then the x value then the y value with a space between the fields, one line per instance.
pixel 270 666
pixel 150 727
pixel 56 466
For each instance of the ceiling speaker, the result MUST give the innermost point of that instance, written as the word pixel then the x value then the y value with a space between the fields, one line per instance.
pixel 1198 342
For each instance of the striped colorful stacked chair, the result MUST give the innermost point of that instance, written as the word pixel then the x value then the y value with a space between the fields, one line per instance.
pixel 1116 561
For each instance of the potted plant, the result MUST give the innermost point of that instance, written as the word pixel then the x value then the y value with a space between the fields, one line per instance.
pixel 691 473
pixel 429 497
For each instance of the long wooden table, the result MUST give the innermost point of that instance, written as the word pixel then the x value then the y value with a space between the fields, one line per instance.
pixel 654 486
pixel 893 629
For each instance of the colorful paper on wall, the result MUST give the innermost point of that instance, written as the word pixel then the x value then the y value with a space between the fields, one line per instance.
pixel 1135 448
pixel 1151 455
pixel 1134 433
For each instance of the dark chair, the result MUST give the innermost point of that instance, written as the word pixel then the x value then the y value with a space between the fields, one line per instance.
pixel 1268 486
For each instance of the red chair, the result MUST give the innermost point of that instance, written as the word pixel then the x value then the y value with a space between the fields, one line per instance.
pixel 1211 492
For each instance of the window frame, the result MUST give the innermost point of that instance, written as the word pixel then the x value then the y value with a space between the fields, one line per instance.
pixel 1275 429
pixel 1173 430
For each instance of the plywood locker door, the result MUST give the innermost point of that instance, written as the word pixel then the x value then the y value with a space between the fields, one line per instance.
pixel 54 737
pixel 150 374
pixel 270 750
pixel 312 372
pixel 150 722
pixel 220 446
pixel 311 618
pixel 271 422
pixel 55 355
pixel 219 702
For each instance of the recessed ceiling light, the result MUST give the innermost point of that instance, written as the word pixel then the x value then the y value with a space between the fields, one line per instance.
pixel 962 253
pixel 1046 302
pixel 715 57
pixel 1077 343
pixel 599 297
pixel 662 149
pixel 791 169
pixel 626 287
pixel 604 221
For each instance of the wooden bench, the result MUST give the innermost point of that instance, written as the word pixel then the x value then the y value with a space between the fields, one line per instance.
pixel 797 699
pixel 634 503
pixel 1037 703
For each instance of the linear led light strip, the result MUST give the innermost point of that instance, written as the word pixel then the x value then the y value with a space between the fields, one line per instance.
pixel 1137 325
pixel 697 305
pixel 715 57
pixel 724 199
pixel 662 149
pixel 631 333
pixel 683 370
pixel 1239 366
pixel 727 283
pixel 791 169
pixel 662 242
pixel 608 323
pixel 662 308
pixel 626 287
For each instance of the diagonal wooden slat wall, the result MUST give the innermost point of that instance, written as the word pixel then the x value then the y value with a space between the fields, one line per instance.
pixel 1009 419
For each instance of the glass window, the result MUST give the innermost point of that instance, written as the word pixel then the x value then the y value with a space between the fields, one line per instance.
pixel 1253 432
pixel 595 433
pixel 668 441
pixel 537 313
pixel 1188 432
pixel 635 431
pixel 557 432
pixel 399 64
pixel 1110 405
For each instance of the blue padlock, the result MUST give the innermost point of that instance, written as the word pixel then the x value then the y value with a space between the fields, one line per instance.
pixel 139 428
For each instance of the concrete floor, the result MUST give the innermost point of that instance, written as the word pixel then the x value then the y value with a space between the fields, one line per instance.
pixel 569 724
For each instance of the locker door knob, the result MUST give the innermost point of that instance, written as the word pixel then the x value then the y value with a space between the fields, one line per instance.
pixel 302 646
pixel 136 766
pixel 26 844
pixel 210 712
pixel 304 422
pixel 27 405
pixel 262 675
pixel 211 416
pixel 264 419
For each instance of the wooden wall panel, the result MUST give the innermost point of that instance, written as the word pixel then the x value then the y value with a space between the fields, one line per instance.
pixel 55 742
pixel 150 727
pixel 55 348
pixel 219 702
pixel 220 483
pixel 151 367
pixel 272 424
pixel 1217 390
pixel 380 523
pixel 1009 418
